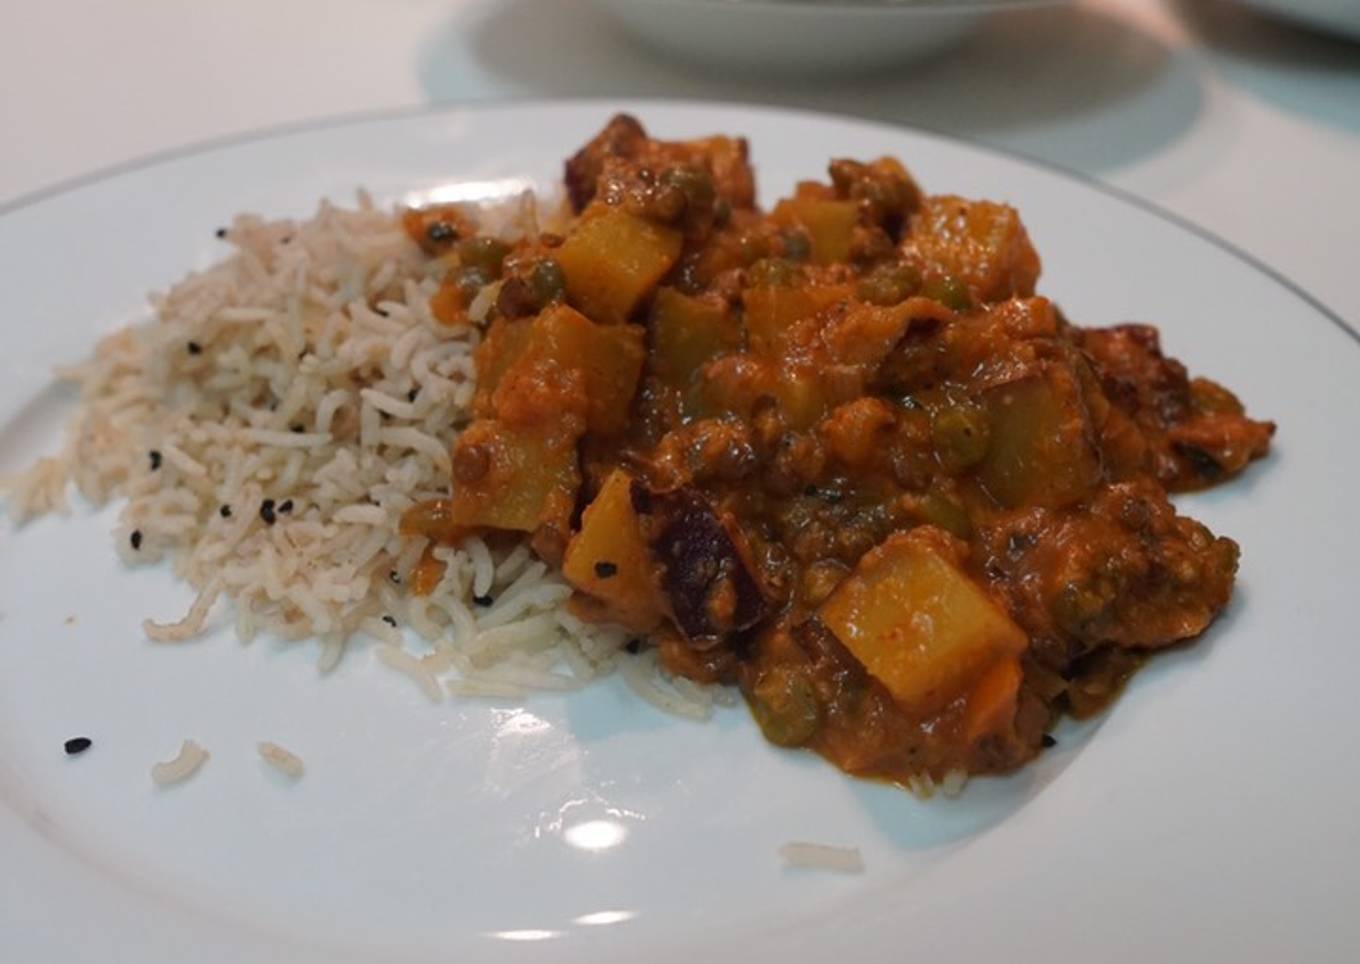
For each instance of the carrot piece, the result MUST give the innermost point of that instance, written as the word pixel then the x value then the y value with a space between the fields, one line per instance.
pixel 992 702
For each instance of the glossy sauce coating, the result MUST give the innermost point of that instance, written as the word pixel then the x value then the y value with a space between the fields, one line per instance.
pixel 840 453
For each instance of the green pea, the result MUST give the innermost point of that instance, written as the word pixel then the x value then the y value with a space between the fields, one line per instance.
pixel 961 434
pixel 890 284
pixel 949 291
pixel 696 184
pixel 547 282
pixel 485 253
pixel 785 706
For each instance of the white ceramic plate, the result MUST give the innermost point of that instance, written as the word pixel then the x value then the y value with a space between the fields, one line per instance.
pixel 1210 817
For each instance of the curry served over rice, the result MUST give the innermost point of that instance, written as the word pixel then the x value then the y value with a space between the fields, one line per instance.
pixel 838 452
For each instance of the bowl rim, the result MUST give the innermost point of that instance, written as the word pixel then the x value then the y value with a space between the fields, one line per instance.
pixel 920 7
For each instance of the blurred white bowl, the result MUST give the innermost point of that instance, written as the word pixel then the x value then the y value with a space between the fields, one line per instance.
pixel 805 35
pixel 1341 16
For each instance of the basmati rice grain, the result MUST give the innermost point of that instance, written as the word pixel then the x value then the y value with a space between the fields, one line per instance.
pixel 289 764
pixel 403 662
pixel 845 860
pixel 190 758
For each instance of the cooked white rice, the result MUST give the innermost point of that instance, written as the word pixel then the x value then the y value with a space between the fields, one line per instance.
pixel 289 764
pixel 306 369
pixel 845 860
pixel 186 763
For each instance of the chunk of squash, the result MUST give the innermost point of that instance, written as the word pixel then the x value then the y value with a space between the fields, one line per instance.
pixel 686 331
pixel 918 624
pixel 609 559
pixel 612 260
pixel 608 356
pixel 1039 452
pixel 830 224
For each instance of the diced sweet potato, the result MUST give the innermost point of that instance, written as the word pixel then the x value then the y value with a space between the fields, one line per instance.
pixel 918 624
pixel 980 243
pixel 609 560
pixel 687 331
pixel 1040 452
pixel 830 224
pixel 613 260
pixel 608 356
pixel 991 703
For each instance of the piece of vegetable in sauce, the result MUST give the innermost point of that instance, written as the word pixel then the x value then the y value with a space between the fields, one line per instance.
pixel 829 224
pixel 961 433
pixel 685 331
pixel 919 625
pixel 609 560
pixel 1039 451
pixel 707 572
pixel 612 260
pixel 530 479
pixel 784 704
pixel 609 358
pixel 981 244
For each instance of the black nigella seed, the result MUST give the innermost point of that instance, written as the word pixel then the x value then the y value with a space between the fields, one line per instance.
pixel 382 311
pixel 155 459
pixel 441 231
pixel 286 505
pixel 194 348
pixel 1048 741
pixel 389 620
pixel 634 646
pixel 225 512
pixel 267 511
pixel 605 569
pixel 299 429
pixel 221 232
pixel 411 395
pixel 136 538
pixel 392 574
pixel 483 600
pixel 78 744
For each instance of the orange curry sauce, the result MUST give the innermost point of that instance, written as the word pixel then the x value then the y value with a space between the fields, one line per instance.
pixel 839 453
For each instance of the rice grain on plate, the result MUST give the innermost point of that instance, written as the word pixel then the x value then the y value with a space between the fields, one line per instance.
pixel 846 860
pixel 289 764
pixel 186 763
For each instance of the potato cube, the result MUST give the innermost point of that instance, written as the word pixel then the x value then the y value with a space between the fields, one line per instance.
pixel 609 559
pixel 612 260
pixel 919 625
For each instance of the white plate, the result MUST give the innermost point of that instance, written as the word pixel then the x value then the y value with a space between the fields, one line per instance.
pixel 1211 817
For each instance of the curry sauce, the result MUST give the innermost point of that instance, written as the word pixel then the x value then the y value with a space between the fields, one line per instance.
pixel 839 453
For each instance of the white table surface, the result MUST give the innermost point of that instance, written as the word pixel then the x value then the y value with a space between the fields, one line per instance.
pixel 1244 125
